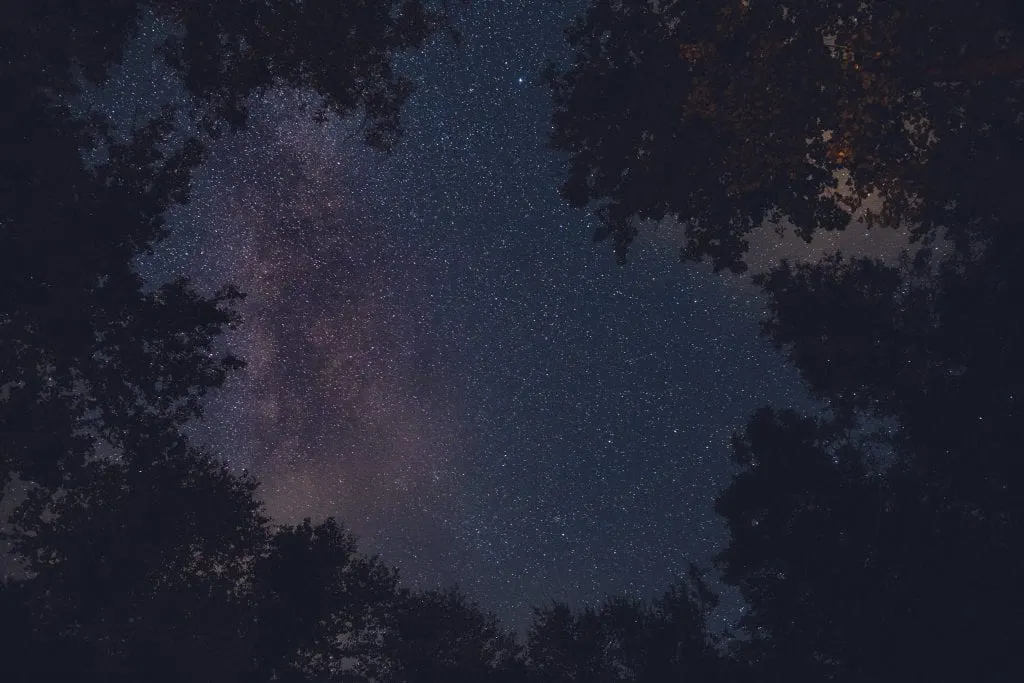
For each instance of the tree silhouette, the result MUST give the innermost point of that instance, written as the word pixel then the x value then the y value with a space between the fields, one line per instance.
pixel 169 572
pixel 726 116
pixel 910 491
pixel 84 348
pixel 437 636
pixel 226 51
pixel 625 640
pixel 806 519
pixel 319 609
pixel 135 571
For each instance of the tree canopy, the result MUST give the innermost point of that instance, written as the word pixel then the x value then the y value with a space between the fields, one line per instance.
pixel 623 640
pixel 878 539
pixel 727 116
pixel 909 491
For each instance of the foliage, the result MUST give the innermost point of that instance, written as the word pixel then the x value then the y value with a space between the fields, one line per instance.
pixel 915 523
pixel 877 541
pixel 437 636
pixel 629 641
pixel 136 571
pixel 727 116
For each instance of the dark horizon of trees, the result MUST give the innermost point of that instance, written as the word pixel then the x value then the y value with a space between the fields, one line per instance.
pixel 878 541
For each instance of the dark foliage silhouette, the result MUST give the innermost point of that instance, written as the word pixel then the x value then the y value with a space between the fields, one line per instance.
pixel 910 492
pixel 319 606
pixel 877 541
pixel 726 116
pixel 84 347
pixel 170 573
pixel 625 640
pixel 438 636
pixel 226 51
pixel 135 572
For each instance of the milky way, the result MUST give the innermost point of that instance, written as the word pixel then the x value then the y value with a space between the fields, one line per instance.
pixel 338 411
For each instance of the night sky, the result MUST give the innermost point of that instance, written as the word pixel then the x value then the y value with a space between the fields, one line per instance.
pixel 440 356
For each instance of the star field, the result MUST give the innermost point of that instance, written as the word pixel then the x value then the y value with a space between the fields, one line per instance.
pixel 439 356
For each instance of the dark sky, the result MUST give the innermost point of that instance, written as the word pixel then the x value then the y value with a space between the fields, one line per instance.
pixel 440 356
